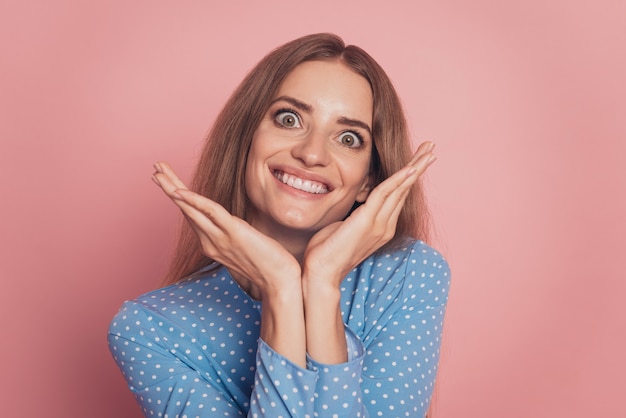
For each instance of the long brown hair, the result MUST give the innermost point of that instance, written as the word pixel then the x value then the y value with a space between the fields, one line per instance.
pixel 220 171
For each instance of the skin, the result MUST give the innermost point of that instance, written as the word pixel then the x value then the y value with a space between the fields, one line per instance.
pixel 296 249
pixel 308 132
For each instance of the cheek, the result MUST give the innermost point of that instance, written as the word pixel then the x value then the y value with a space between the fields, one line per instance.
pixel 252 162
pixel 356 173
pixel 261 150
pixel 362 181
pixel 263 145
pixel 256 154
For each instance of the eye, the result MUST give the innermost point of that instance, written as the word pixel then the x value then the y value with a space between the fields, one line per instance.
pixel 287 118
pixel 351 139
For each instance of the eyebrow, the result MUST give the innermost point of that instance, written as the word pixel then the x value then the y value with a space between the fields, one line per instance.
pixel 296 103
pixel 355 123
pixel 308 108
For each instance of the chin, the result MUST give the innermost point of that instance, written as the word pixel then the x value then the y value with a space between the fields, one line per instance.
pixel 301 221
pixel 306 221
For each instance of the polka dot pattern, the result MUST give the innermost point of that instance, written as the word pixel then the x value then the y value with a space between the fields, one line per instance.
pixel 193 349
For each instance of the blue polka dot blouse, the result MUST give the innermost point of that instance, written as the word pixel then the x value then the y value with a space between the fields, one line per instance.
pixel 193 349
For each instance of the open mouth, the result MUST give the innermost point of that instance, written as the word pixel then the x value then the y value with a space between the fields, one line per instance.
pixel 300 184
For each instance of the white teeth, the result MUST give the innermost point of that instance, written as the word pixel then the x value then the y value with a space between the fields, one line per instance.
pixel 304 185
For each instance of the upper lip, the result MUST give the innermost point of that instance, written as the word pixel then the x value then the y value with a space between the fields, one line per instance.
pixel 303 174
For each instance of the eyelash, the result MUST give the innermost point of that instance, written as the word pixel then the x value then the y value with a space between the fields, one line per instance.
pixel 358 136
pixel 279 112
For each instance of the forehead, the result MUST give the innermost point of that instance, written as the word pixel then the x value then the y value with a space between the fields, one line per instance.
pixel 330 86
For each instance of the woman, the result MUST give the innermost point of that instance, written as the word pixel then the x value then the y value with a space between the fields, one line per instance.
pixel 298 287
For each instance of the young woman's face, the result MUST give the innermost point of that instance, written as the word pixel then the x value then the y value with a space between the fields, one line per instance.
pixel 310 156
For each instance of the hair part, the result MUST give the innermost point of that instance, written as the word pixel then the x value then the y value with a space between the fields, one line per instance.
pixel 220 172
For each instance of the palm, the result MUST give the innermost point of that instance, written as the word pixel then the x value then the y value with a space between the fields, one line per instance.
pixel 253 256
pixel 340 246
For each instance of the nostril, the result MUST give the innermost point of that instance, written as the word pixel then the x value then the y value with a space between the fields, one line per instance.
pixel 312 152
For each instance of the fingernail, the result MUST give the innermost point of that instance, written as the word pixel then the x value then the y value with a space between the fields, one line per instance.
pixel 176 195
pixel 431 146
pixel 411 171
pixel 158 168
pixel 154 179
pixel 432 158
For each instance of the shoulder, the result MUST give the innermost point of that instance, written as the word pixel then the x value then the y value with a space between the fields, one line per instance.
pixel 390 287
pixel 415 250
pixel 155 309
pixel 412 258
pixel 184 305
pixel 209 289
pixel 427 276
pixel 414 270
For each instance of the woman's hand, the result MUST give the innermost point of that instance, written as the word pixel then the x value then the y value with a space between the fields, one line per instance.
pixel 339 247
pixel 261 266
pixel 229 240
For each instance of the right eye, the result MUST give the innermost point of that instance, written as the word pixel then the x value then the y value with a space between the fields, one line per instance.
pixel 287 118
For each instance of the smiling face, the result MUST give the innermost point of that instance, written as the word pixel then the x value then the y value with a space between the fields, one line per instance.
pixel 310 156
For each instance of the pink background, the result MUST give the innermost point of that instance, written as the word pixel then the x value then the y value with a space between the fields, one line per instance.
pixel 526 101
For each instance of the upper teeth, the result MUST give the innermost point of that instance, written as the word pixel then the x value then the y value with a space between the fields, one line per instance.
pixel 304 185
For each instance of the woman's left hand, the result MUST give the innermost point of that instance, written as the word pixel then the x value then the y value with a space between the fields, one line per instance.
pixel 339 247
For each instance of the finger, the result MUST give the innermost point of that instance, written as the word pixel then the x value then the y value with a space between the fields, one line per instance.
pixel 395 212
pixel 199 211
pixel 386 203
pixel 209 208
pixel 170 183
pixel 196 208
pixel 166 178
pixel 208 233
pixel 211 216
pixel 421 164
pixel 198 220
pixel 166 185
pixel 423 148
pixel 422 158
pixel 401 181
pixel 164 170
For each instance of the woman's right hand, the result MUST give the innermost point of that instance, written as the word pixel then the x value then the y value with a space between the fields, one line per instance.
pixel 253 257
pixel 261 266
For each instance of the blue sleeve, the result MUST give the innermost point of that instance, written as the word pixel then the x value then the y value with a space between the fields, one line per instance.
pixel 338 390
pixel 281 388
pixel 163 384
pixel 159 374
pixel 402 352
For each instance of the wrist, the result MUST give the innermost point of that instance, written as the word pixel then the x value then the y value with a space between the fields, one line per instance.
pixel 282 322
pixel 285 294
pixel 319 294
pixel 325 333
pixel 321 282
pixel 321 299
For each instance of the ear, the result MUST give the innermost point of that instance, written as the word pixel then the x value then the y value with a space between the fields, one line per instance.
pixel 366 188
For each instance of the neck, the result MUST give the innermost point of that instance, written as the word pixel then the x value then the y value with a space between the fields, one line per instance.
pixel 294 241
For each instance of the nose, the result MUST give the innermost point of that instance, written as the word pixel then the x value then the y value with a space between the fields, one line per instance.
pixel 312 150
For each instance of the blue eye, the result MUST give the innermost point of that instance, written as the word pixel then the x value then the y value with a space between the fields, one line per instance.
pixel 350 139
pixel 287 118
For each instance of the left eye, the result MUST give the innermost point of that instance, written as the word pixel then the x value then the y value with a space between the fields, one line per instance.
pixel 288 119
pixel 350 139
